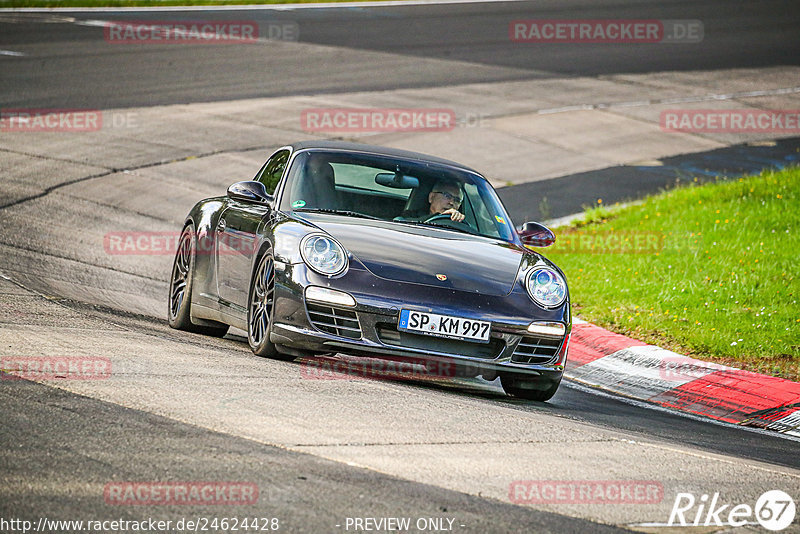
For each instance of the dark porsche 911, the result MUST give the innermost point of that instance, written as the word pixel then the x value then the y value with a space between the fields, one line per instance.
pixel 344 248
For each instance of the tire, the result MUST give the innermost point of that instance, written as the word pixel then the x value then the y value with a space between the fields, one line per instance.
pixel 179 301
pixel 261 309
pixel 525 388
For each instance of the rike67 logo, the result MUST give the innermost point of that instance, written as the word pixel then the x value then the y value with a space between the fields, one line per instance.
pixel 774 510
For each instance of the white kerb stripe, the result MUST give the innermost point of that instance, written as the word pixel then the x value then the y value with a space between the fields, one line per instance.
pixel 793 419
pixel 643 372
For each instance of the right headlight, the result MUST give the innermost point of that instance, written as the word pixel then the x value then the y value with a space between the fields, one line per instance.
pixel 323 254
pixel 546 287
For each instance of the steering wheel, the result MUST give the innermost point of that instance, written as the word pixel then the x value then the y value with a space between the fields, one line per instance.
pixel 444 219
pixel 437 217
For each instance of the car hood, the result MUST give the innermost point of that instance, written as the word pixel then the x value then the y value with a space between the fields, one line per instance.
pixel 417 254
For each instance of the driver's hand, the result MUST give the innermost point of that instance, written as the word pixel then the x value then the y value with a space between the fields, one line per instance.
pixel 455 215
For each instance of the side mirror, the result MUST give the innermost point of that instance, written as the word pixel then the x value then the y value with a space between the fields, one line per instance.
pixel 534 234
pixel 250 191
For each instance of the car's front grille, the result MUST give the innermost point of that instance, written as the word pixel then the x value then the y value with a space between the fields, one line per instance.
pixel 333 320
pixel 532 349
pixel 390 335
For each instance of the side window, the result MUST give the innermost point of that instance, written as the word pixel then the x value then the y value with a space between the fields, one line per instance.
pixel 272 171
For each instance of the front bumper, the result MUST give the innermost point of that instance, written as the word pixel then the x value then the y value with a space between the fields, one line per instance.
pixel 370 327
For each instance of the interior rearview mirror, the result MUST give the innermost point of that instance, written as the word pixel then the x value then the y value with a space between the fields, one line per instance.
pixel 396 180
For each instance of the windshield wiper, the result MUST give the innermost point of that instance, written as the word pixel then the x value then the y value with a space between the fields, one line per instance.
pixel 338 212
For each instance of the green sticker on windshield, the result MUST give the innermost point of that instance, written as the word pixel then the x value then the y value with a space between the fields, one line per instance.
pixel 500 219
pixel 298 203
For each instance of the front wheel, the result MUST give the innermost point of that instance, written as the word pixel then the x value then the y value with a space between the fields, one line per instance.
pixel 260 312
pixel 180 289
pixel 529 389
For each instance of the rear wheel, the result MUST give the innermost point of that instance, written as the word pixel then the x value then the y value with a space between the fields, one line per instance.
pixel 261 309
pixel 525 388
pixel 180 289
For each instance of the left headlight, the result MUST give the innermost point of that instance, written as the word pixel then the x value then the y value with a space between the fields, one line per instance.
pixel 323 254
pixel 546 287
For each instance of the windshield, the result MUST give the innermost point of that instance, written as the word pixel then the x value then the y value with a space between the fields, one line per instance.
pixel 407 192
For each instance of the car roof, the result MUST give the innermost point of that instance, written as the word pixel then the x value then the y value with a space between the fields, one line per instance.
pixel 379 150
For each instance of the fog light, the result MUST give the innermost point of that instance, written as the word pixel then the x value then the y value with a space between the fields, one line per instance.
pixel 547 329
pixel 329 296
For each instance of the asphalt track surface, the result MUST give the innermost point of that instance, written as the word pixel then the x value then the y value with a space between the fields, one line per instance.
pixel 569 195
pixel 59 432
pixel 432 46
pixel 78 441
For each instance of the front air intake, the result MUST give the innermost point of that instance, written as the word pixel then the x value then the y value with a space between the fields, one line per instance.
pixel 533 349
pixel 334 320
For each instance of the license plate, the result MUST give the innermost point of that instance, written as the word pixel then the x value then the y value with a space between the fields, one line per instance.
pixel 444 326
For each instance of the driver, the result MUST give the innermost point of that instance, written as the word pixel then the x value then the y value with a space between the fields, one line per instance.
pixel 445 198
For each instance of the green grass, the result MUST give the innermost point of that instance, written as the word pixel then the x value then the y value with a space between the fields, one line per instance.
pixel 706 270
pixel 147 3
